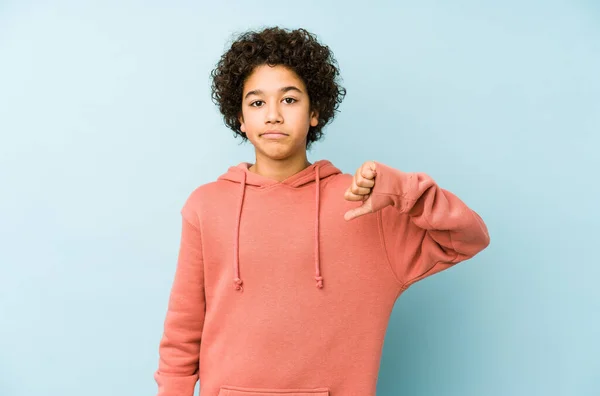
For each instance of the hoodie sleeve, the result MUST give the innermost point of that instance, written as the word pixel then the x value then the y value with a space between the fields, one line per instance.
pixel 426 229
pixel 179 346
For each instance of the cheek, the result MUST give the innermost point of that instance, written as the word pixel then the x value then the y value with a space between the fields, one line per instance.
pixel 251 120
pixel 300 117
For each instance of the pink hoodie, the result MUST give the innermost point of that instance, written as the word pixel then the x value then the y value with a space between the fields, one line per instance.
pixel 275 293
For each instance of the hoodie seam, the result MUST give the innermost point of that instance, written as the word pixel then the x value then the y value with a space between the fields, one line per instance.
pixel 192 224
pixel 199 229
pixel 288 186
pixel 385 251
pixel 272 186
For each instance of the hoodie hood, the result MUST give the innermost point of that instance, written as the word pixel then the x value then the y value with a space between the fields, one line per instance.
pixel 311 174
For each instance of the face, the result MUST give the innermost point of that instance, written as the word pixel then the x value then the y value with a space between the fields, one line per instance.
pixel 275 99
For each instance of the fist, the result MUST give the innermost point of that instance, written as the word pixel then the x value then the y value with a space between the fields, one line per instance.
pixel 360 190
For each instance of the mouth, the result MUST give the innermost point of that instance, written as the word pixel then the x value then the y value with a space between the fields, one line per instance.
pixel 274 135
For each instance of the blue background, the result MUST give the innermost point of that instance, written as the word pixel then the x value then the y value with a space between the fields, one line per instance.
pixel 106 126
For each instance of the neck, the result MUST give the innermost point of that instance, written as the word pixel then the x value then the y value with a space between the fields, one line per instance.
pixel 279 169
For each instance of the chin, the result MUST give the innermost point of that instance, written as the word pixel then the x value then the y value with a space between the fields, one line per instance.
pixel 277 155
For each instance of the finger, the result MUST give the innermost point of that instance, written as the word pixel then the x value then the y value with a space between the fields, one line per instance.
pixel 350 196
pixel 368 170
pixel 356 212
pixel 362 181
pixel 355 189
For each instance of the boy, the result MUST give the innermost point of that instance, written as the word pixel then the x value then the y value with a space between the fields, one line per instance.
pixel 288 270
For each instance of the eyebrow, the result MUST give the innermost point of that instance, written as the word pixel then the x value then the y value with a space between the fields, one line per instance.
pixel 284 89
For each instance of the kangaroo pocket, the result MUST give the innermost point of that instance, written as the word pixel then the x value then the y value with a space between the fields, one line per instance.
pixel 227 390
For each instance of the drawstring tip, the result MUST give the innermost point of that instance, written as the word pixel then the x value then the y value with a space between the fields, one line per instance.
pixel 319 280
pixel 237 284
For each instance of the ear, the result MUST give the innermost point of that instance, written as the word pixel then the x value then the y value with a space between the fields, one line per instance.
pixel 314 118
pixel 241 120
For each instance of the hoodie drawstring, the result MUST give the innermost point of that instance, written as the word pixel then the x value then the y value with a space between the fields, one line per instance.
pixel 237 281
pixel 318 276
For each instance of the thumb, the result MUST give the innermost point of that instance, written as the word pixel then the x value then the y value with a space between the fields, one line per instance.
pixel 356 212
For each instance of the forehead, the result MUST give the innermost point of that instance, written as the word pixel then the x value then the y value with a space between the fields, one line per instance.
pixel 270 78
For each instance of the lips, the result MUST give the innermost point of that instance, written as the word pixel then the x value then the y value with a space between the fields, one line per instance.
pixel 274 133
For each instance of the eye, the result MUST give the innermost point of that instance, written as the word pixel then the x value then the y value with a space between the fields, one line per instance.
pixel 260 101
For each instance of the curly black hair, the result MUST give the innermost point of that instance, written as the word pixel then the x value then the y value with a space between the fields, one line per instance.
pixel 298 50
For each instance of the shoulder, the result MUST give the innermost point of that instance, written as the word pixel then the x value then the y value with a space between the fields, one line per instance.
pixel 200 194
pixel 207 198
pixel 198 200
pixel 339 182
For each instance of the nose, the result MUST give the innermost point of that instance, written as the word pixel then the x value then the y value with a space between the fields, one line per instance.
pixel 273 114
